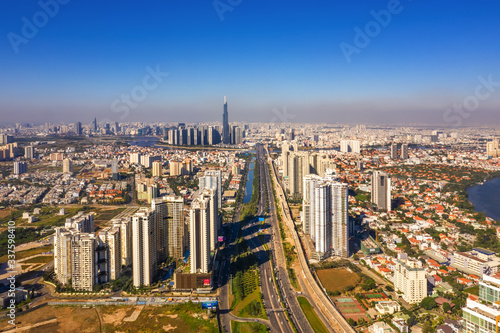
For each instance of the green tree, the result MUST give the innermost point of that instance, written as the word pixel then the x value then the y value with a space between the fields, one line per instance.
pixel 428 303
pixel 446 307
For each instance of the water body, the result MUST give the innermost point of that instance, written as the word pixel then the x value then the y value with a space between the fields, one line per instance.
pixel 249 184
pixel 486 198
pixel 146 141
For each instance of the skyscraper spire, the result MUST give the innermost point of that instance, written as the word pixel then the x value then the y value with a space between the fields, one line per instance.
pixel 225 124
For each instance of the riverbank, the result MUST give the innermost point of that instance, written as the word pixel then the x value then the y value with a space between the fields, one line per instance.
pixel 486 197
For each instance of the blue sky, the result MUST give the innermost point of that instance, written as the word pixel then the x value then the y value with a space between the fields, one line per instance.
pixel 263 55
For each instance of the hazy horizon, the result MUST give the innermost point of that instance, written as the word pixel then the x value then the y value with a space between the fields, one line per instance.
pixel 369 62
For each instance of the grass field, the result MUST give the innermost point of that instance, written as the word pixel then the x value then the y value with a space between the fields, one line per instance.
pixel 472 290
pixel 336 279
pixel 39 260
pixel 241 327
pixel 311 316
pixel 249 306
pixel 29 253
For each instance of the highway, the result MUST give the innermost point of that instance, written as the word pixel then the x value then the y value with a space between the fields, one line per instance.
pixel 289 296
pixel 278 321
pixel 320 300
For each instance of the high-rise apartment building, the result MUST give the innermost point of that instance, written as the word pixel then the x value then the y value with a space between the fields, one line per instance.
pixel 115 175
pixel 110 238
pixel 213 180
pixel 157 169
pixel 298 167
pixel 199 233
pixel 125 225
pixel 143 247
pixel 394 151
pixel 29 152
pixel 62 255
pixel 225 124
pixel 493 149
pixel 350 146
pixel 83 263
pixel 20 168
pixel 213 213
pixel 325 215
pixel 404 151
pixel 381 190
pixel 410 280
pixel 135 158
pixel 176 226
pixel 81 222
pixel 67 166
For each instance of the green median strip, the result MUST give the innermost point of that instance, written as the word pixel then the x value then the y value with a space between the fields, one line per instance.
pixel 311 316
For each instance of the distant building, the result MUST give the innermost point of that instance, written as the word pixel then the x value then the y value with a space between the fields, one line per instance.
pixel 225 124
pixel 350 146
pixel 56 157
pixel 493 149
pixel 394 151
pixel 115 175
pixel 29 152
pixel 381 190
pixel 135 158
pixel 67 166
pixel 404 151
pixel 157 169
pixel 20 168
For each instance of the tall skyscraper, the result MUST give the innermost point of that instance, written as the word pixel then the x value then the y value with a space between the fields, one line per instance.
pixel 404 151
pixel 199 233
pixel 78 128
pixel 143 247
pixel 381 190
pixel 94 125
pixel 225 124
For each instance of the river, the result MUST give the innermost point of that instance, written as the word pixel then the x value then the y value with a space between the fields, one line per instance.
pixel 249 184
pixel 486 198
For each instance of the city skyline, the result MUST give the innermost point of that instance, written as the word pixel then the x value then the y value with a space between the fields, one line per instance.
pixel 315 64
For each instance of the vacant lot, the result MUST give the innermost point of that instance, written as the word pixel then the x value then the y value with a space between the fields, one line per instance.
pixel 336 279
pixel 182 318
